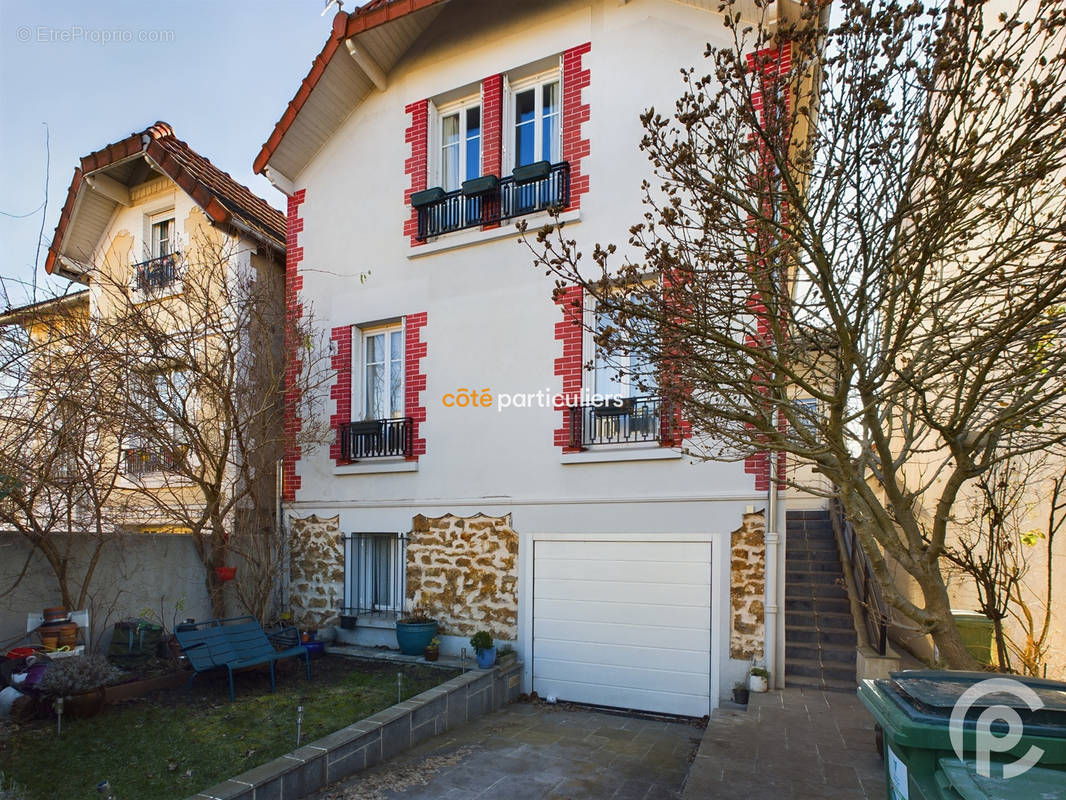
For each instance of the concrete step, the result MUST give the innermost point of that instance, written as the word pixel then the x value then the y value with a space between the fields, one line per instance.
pixel 813 668
pixel 800 590
pixel 824 684
pixel 814 564
pixel 826 656
pixel 831 636
pixel 813 577
pixel 813 619
pixel 820 605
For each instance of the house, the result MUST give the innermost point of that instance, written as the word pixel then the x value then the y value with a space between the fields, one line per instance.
pixel 473 468
pixel 179 264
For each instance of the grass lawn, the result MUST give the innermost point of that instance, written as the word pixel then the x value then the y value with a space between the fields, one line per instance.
pixel 172 745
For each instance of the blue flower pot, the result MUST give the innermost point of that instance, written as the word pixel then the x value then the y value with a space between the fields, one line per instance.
pixel 412 637
pixel 486 658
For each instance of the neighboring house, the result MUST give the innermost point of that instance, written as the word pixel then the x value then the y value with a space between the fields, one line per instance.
pixel 166 244
pixel 624 572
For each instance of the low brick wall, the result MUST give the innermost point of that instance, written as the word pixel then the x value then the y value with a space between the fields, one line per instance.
pixel 374 739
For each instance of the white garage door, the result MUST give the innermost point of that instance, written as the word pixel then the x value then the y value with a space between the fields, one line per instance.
pixel 623 623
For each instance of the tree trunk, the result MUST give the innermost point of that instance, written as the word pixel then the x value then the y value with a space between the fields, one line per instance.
pixel 945 632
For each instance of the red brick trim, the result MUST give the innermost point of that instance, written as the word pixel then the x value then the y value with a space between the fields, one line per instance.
pixel 772 64
pixel 414 350
pixel 570 331
pixel 492 129
pixel 294 225
pixel 416 166
pixel 341 391
pixel 575 114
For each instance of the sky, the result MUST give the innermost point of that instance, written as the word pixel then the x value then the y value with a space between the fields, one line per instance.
pixel 219 71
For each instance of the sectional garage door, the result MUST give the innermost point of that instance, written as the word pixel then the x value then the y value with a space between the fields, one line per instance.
pixel 623 623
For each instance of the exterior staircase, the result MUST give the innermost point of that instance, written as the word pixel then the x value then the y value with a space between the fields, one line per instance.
pixel 820 637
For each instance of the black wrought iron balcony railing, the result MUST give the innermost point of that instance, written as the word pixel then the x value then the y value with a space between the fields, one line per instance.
pixel 488 199
pixel 138 461
pixel 156 272
pixel 620 420
pixel 376 438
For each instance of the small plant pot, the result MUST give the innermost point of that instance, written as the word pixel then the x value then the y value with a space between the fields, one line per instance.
pixel 50 639
pixel 486 658
pixel 740 695
pixel 432 652
pixel 308 636
pixel 757 683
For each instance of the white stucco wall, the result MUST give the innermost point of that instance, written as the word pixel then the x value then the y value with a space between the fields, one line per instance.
pixel 491 318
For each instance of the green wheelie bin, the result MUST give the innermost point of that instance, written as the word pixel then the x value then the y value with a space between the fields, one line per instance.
pixel 915 710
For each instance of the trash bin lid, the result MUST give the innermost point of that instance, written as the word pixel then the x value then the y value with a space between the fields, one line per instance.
pixel 1036 782
pixel 931 695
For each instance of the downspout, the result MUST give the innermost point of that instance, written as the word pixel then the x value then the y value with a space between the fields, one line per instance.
pixel 772 540
pixel 283 600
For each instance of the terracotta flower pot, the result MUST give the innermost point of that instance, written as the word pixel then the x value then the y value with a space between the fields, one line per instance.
pixel 432 652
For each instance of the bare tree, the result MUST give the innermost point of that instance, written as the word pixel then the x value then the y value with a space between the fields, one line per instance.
pixel 880 228
pixel 999 551
pixel 200 352
pixel 59 475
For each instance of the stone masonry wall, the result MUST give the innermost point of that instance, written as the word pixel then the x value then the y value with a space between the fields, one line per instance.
pixel 316 570
pixel 464 572
pixel 747 585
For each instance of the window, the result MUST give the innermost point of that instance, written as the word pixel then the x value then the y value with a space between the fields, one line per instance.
pixel 625 406
pixel 162 238
pixel 460 145
pixel 807 414
pixel 161 267
pixel 537 120
pixel 374 572
pixel 162 404
pixel 381 367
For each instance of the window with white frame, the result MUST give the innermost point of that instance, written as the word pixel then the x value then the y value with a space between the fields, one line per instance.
pixel 536 130
pixel 459 136
pixel 162 237
pixel 619 373
pixel 381 371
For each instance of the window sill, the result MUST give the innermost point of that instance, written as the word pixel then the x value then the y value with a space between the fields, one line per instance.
pixel 372 466
pixel 138 296
pixel 151 480
pixel 622 453
pixel 475 236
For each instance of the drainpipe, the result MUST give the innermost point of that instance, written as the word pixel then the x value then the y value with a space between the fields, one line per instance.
pixel 772 539
pixel 279 477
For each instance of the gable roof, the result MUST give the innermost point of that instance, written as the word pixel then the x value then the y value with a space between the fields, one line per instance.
pixel 89 205
pixel 377 35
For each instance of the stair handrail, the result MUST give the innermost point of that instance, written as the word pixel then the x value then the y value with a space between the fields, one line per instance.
pixel 871 601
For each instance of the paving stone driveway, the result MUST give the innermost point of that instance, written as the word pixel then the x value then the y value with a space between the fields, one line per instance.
pixel 536 751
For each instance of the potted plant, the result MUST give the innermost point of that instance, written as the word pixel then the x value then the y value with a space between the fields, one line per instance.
pixel 483 646
pixel 432 651
pixel 758 679
pixel 740 693
pixel 80 680
pixel 415 631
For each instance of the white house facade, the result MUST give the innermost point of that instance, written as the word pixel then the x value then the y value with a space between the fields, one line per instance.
pixel 469 471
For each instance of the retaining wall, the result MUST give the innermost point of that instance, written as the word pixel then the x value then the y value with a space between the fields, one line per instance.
pixel 374 739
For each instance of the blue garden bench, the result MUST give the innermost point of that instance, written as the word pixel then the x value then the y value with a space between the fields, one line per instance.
pixel 236 643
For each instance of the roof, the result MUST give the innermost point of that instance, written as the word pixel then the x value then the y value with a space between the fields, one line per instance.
pixel 363 20
pixel 222 199
pixel 17 315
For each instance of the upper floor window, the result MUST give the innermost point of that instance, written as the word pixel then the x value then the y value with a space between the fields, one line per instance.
pixel 382 371
pixel 460 144
pixel 162 238
pixel 537 120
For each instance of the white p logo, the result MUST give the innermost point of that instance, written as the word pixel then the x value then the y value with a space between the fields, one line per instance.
pixel 986 741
